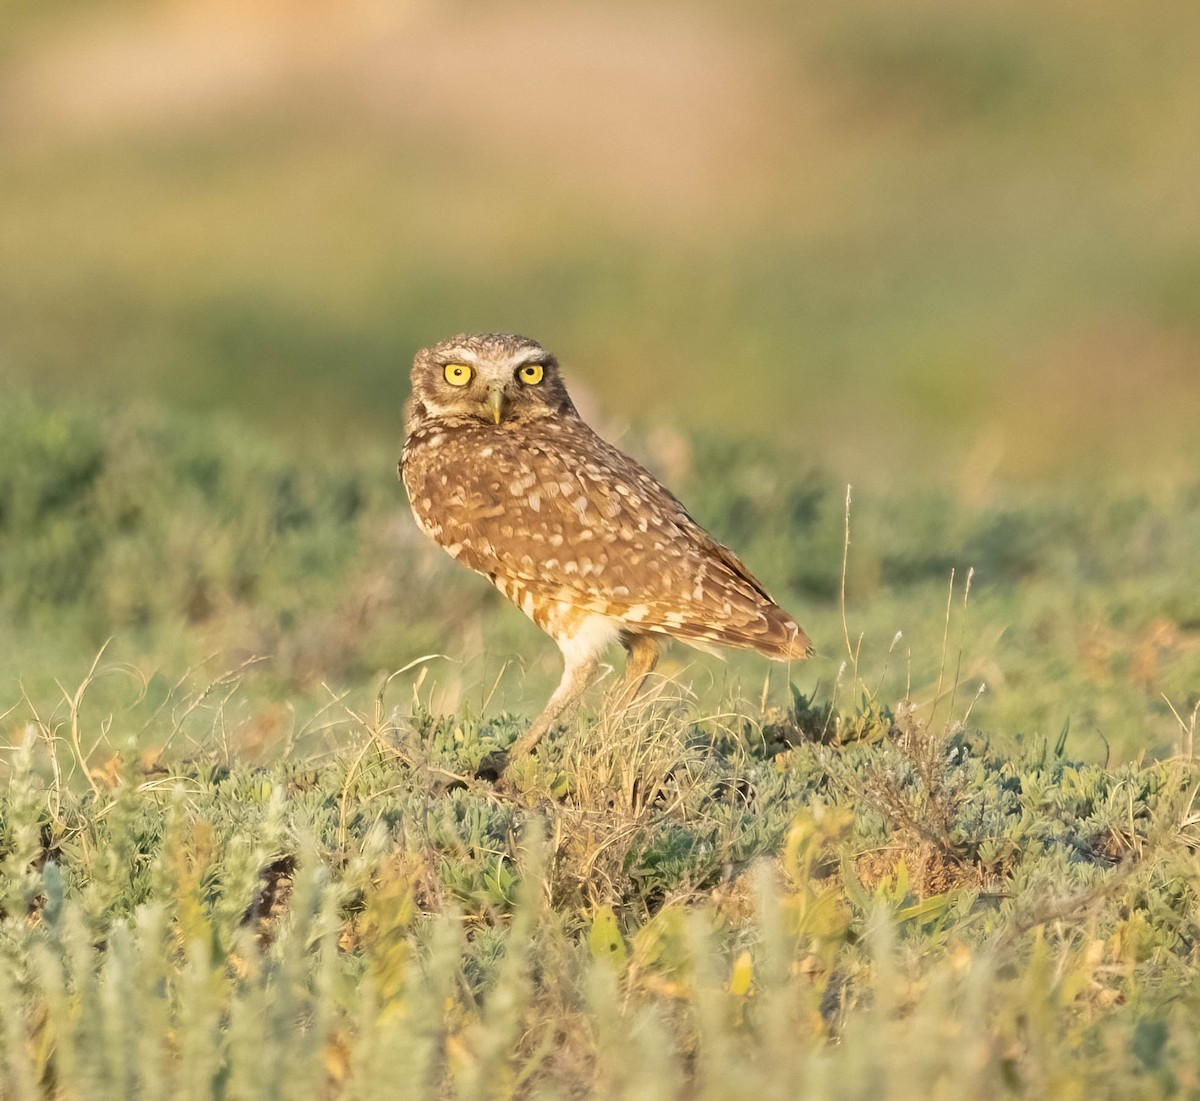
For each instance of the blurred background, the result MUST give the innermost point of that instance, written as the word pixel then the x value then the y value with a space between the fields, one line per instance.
pixel 947 252
pixel 939 239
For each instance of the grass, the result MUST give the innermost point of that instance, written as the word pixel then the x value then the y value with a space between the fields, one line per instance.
pixel 245 854
pixel 659 906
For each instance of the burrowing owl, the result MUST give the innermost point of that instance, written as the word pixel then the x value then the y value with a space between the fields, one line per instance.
pixel 505 476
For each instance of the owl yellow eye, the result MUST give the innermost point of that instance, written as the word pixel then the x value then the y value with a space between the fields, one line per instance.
pixel 458 374
pixel 531 374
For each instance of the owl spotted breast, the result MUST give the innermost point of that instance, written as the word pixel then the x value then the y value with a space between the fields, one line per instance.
pixel 506 477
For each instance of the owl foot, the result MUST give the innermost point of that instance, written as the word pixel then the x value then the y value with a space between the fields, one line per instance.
pixel 642 653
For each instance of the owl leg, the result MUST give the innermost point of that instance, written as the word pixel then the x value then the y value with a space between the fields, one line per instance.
pixel 642 656
pixel 576 674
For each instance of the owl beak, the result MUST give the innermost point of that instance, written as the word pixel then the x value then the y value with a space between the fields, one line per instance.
pixel 495 402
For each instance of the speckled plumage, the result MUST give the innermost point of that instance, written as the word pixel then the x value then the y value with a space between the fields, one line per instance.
pixel 574 532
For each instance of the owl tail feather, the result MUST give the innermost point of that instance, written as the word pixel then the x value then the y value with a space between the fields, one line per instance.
pixel 783 640
pixel 794 645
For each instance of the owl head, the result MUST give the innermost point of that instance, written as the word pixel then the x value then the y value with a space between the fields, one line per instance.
pixel 496 378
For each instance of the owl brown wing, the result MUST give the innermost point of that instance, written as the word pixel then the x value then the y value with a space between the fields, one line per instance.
pixel 572 519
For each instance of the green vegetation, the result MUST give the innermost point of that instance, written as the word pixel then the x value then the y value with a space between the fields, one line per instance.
pixel 244 858
pixel 667 910
pixel 947 253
